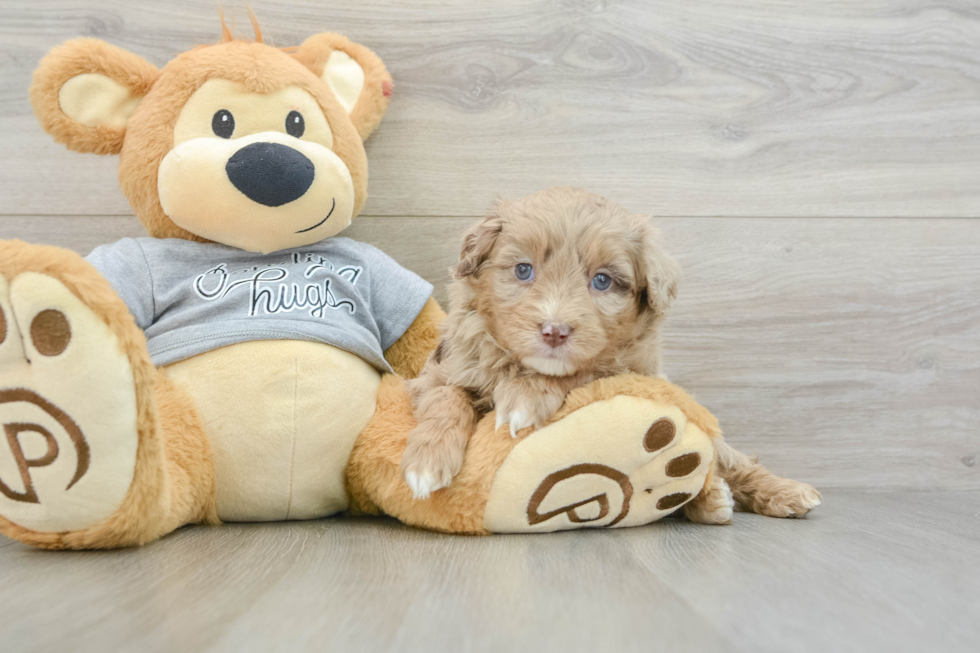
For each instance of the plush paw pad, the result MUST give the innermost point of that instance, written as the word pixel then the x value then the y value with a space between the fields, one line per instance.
pixel 618 462
pixel 67 409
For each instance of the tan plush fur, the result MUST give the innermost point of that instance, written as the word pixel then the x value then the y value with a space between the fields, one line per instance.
pixel 78 57
pixel 174 480
pixel 378 87
pixel 409 354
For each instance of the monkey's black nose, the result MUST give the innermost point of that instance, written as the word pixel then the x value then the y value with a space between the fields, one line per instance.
pixel 270 173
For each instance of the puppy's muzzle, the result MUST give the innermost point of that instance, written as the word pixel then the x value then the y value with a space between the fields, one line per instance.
pixel 271 174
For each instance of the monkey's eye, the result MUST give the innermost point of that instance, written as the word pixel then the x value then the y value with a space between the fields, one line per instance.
pixel 295 125
pixel 601 281
pixel 223 124
pixel 524 271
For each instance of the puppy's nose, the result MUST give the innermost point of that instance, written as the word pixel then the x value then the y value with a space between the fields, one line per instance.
pixel 555 333
pixel 271 174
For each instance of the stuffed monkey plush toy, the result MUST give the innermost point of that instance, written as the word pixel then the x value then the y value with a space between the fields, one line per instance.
pixel 243 362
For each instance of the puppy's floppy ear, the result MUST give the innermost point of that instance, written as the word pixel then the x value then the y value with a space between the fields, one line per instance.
pixel 357 77
pixel 661 271
pixel 478 242
pixel 85 91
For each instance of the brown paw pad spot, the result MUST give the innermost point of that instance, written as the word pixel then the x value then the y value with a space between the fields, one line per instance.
pixel 50 332
pixel 672 500
pixel 659 435
pixel 3 326
pixel 683 465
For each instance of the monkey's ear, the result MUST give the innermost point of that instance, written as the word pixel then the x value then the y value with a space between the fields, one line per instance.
pixel 85 91
pixel 478 242
pixel 357 77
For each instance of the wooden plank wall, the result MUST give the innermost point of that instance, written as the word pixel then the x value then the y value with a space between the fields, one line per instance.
pixel 815 168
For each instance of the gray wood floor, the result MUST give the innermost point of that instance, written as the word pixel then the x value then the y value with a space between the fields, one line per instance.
pixel 897 571
pixel 815 169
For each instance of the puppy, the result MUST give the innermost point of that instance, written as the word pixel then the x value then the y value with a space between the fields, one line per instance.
pixel 551 292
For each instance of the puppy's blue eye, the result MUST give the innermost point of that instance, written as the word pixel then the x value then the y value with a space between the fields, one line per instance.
pixel 601 281
pixel 524 271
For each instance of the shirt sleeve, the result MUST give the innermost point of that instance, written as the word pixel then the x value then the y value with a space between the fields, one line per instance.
pixel 124 265
pixel 397 295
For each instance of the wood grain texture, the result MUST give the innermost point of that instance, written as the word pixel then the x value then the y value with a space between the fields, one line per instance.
pixel 865 572
pixel 845 352
pixel 711 108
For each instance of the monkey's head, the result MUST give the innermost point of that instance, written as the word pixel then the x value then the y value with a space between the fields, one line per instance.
pixel 238 143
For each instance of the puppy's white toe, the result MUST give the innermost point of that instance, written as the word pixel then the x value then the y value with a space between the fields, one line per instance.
pixel 726 491
pixel 726 504
pixel 519 419
pixel 422 483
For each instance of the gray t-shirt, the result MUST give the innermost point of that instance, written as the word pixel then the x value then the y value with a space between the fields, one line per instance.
pixel 190 297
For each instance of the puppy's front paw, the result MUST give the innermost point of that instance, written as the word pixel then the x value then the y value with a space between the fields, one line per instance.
pixel 429 462
pixel 425 477
pixel 422 483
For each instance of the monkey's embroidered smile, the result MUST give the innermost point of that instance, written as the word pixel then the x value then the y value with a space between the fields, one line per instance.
pixel 332 207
